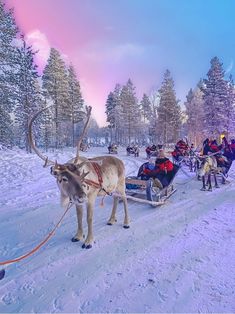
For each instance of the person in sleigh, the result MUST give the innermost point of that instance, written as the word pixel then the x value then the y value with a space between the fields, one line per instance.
pixel 160 170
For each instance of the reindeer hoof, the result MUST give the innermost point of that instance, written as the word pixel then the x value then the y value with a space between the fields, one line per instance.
pixel 210 190
pixel 126 227
pixel 75 239
pixel 2 274
pixel 216 186
pixel 203 189
pixel 88 246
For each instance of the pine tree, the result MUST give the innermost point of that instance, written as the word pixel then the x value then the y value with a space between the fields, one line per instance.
pixel 194 113
pixel 229 111
pixel 169 113
pixel 215 94
pixel 8 33
pixel 75 99
pixel 154 98
pixel 55 82
pixel 146 108
pixel 114 112
pixel 131 111
pixel 110 112
pixel 6 133
pixel 27 93
pixel 118 115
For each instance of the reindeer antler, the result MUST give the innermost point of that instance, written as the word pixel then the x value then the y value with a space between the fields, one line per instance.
pixel 88 114
pixel 31 142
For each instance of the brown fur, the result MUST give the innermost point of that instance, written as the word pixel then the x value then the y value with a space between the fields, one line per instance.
pixel 78 182
pixel 76 189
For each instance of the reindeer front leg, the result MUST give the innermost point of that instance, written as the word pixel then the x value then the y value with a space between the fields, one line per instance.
pixel 89 239
pixel 79 234
pixel 209 182
pixel 121 190
pixel 112 218
pixel 126 218
pixel 203 183
pixel 216 183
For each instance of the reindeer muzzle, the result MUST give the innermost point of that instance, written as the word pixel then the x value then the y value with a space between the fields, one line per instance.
pixel 78 200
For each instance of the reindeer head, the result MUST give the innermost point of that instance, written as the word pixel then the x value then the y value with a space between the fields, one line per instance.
pixel 209 163
pixel 70 181
pixel 69 177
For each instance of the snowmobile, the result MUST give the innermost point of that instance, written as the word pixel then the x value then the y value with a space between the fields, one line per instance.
pixel 150 191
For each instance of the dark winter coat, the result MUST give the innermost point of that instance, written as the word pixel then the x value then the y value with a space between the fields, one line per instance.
pixel 162 165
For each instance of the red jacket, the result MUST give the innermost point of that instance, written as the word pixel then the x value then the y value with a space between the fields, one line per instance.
pixel 162 165
pixel 214 148
pixel 232 146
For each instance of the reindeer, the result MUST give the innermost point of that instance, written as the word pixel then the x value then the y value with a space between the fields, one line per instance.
pixel 208 166
pixel 81 180
pixel 214 164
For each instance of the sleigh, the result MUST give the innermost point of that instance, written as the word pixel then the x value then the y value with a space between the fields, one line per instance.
pixel 112 150
pixel 150 191
pixel 132 151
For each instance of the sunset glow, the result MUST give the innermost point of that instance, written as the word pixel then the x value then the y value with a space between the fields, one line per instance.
pixel 110 41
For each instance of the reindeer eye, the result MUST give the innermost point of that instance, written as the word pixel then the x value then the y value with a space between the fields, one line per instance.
pixel 65 179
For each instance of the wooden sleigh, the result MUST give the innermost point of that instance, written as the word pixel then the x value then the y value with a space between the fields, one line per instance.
pixel 148 191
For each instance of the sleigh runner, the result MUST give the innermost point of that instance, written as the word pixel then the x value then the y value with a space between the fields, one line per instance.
pixel 150 191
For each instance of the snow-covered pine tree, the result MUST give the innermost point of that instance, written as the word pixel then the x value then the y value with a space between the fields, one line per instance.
pixel 154 98
pixel 110 112
pixel 194 113
pixel 6 133
pixel 8 33
pixel 131 111
pixel 215 94
pixel 146 108
pixel 93 132
pixel 55 82
pixel 169 112
pixel 230 108
pixel 146 117
pixel 118 115
pixel 26 90
pixel 114 113
pixel 75 99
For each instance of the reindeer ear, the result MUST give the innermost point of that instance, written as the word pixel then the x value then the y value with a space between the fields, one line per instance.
pixel 72 167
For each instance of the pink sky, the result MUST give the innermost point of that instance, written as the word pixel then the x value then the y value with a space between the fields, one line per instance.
pixel 83 38
pixel 110 41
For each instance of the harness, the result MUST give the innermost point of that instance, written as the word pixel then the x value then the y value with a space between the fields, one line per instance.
pixel 100 179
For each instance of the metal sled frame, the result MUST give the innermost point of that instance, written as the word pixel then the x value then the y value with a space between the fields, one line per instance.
pixel 143 191
pixel 146 193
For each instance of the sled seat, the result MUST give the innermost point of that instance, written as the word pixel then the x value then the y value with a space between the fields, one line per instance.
pixel 151 189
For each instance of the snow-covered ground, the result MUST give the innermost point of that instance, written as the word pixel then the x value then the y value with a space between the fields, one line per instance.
pixel 175 258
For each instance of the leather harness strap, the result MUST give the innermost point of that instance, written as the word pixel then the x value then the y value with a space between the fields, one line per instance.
pixel 99 175
pixel 98 172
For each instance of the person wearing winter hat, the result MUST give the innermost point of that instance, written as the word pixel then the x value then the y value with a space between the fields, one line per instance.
pixel 145 168
pixel 163 166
